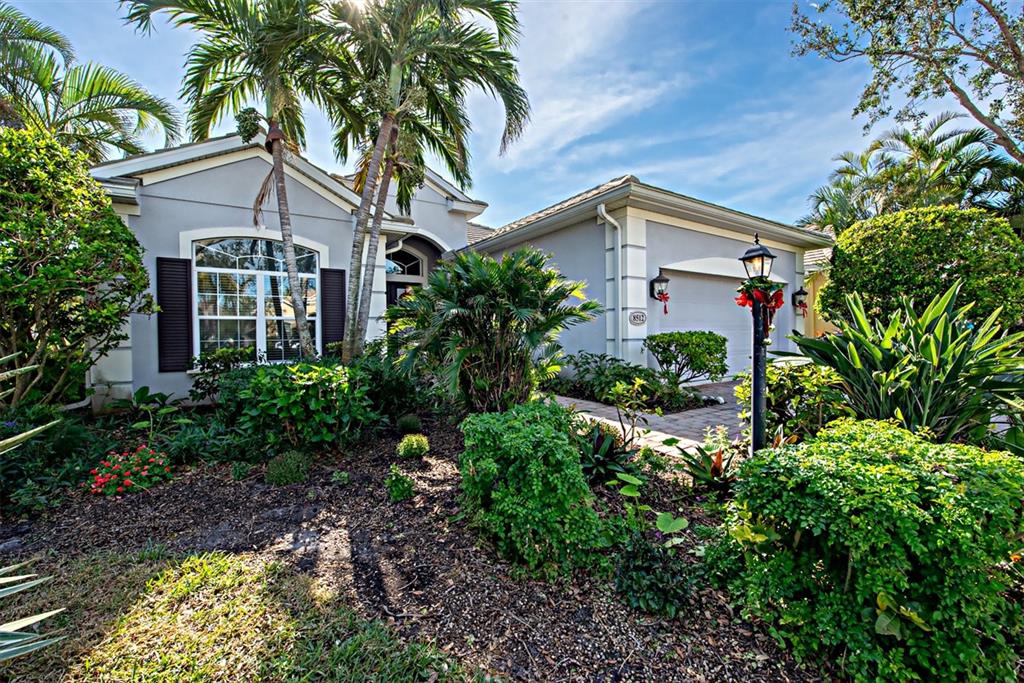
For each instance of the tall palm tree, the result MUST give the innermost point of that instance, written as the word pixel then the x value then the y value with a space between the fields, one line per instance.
pixel 88 107
pixel 250 51
pixel 419 58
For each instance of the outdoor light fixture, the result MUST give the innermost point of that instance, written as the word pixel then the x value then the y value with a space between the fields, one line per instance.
pixel 800 299
pixel 659 287
pixel 758 260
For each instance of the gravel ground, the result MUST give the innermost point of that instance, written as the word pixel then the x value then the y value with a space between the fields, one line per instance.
pixel 418 566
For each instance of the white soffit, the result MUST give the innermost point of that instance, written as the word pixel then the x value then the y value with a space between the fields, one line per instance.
pixel 716 265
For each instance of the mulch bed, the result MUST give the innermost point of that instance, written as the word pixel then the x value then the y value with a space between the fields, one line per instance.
pixel 419 566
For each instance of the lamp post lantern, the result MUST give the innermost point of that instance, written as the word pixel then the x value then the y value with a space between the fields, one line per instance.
pixel 757 261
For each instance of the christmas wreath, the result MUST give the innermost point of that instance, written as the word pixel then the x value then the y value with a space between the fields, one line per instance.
pixel 765 292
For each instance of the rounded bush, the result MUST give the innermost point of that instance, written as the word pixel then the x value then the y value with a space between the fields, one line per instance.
pixel 920 253
pixel 689 356
pixel 291 467
pixel 409 424
pixel 413 446
pixel 896 555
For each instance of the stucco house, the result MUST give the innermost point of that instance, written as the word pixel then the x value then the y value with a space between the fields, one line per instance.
pixel 620 235
pixel 219 279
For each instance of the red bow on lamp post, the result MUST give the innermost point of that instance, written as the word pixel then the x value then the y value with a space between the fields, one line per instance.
pixel 766 292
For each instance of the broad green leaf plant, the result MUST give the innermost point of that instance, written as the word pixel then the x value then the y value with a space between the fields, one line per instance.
pixel 938 371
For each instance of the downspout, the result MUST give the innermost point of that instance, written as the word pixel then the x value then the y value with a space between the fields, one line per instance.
pixel 602 211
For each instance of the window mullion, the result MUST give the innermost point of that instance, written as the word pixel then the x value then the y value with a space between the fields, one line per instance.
pixel 261 318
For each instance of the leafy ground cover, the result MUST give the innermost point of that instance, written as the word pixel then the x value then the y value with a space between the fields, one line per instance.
pixel 213 578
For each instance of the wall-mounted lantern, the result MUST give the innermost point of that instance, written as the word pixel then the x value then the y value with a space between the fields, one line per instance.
pixel 757 260
pixel 800 300
pixel 659 290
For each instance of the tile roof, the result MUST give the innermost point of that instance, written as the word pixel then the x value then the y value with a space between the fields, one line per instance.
pixel 476 232
pixel 567 203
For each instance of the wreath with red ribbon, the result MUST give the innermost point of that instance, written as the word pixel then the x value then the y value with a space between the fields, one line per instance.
pixel 663 298
pixel 765 292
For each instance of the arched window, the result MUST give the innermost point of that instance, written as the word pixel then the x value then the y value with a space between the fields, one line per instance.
pixel 404 262
pixel 243 295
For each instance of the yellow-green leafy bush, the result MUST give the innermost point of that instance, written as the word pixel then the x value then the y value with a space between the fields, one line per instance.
pixel 888 553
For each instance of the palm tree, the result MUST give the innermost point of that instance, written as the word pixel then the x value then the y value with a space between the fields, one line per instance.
pixel 23 41
pixel 88 107
pixel 907 168
pixel 250 51
pixel 418 59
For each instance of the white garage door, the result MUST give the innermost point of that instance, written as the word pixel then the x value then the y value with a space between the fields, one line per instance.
pixel 702 302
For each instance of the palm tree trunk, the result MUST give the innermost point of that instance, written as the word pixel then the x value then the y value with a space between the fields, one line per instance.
pixel 370 271
pixel 306 345
pixel 352 332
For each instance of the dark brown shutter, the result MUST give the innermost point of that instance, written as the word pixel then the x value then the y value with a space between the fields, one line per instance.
pixel 174 321
pixel 332 305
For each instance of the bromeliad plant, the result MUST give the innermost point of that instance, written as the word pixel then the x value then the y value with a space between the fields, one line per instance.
pixel 129 472
pixel 936 370
pixel 492 326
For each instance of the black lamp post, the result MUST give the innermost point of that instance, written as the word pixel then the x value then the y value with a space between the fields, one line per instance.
pixel 758 263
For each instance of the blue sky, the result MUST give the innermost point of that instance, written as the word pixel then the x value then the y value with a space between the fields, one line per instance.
pixel 700 97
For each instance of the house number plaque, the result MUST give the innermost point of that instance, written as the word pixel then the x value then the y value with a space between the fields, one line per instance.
pixel 638 318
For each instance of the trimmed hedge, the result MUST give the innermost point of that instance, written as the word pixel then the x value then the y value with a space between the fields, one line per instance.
pixel 892 555
pixel 689 355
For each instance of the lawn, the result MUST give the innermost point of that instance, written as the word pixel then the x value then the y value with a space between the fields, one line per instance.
pixel 211 578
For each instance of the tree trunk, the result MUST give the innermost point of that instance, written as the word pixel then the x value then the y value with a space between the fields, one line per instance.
pixel 370 271
pixel 359 239
pixel 306 345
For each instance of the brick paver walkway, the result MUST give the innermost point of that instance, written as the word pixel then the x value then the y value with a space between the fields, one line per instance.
pixel 687 426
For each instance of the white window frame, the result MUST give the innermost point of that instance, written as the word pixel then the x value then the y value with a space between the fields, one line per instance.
pixel 186 249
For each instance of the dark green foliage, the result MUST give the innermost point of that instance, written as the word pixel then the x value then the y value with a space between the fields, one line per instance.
pixel 522 482
pixel 393 390
pixel 304 405
pixel 709 468
pixel 409 424
pixel 291 467
pixel 240 470
pixel 413 446
pixel 32 475
pixel 212 366
pixel 71 271
pixel 873 545
pixel 399 486
pixel 595 375
pixel 934 370
pixel 651 577
pixel 491 327
pixel 800 398
pixel 921 253
pixel 206 439
pixel 603 455
pixel 690 355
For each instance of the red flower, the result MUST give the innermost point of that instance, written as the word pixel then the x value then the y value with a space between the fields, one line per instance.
pixel 120 489
pixel 167 469
pixel 127 482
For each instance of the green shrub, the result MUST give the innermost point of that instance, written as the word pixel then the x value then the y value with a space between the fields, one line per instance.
pixel 206 439
pixel 399 486
pixel 491 325
pixel 393 390
pixel 71 271
pixel 933 370
pixel 291 467
pixel 409 424
pixel 211 367
pixel 651 577
pixel 304 405
pixel 921 252
pixel 800 398
pixel 341 478
pixel 413 446
pixel 689 356
pixel 522 482
pixel 240 470
pixel 888 552
pixel 594 377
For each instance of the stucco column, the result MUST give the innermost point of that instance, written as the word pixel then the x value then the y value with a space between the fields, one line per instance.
pixel 635 286
pixel 376 327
